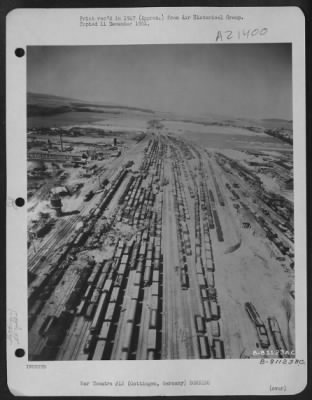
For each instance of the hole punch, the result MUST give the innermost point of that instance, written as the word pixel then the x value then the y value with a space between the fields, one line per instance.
pixel 19 353
pixel 19 52
pixel 20 202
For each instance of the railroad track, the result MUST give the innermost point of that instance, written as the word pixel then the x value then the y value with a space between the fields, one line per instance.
pixel 46 247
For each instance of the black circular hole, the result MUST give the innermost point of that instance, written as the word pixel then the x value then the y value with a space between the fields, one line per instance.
pixel 19 52
pixel 20 202
pixel 19 353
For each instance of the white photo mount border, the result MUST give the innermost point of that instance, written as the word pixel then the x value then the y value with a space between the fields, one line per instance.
pixel 59 27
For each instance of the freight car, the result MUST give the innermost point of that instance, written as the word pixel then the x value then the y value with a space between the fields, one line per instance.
pixel 199 324
pixel 184 280
pixel 253 314
pixel 211 196
pixel 203 293
pixel 105 330
pixel 115 294
pixel 263 336
pixel 90 343
pixel 152 340
pixel 108 286
pixel 155 289
pixel 277 334
pixel 207 310
pixel 128 337
pixel 153 319
pixel 154 303
pixel 209 264
pixel 156 276
pixel 88 293
pixel 210 278
pixel 215 310
pixel 132 310
pixel 147 275
pixel 135 292
pixel 215 328
pixel 100 310
pixel 156 264
pixel 218 226
pixel 81 307
pixel 101 280
pixel 94 275
pixel 110 312
pixel 201 281
pixel 199 267
pixel 204 350
pixel 135 252
pixel 122 270
pixel 95 296
pixel 150 355
pixel 218 349
pixel 212 293
pixel 99 350
pixel 90 311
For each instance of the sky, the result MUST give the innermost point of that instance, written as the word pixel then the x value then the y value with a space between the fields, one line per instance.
pixel 234 80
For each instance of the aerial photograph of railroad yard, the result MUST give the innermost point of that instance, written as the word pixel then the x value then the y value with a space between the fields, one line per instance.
pixel 160 205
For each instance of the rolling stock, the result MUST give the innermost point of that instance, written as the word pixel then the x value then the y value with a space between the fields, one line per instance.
pixel 218 349
pixel 99 350
pixel 98 316
pixel 204 350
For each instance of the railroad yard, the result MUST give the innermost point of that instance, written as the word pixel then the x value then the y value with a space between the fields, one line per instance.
pixel 161 248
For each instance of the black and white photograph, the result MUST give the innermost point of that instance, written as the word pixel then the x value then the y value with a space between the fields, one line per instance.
pixel 160 202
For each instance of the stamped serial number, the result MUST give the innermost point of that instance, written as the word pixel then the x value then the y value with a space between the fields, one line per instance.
pixel 284 361
pixel 228 35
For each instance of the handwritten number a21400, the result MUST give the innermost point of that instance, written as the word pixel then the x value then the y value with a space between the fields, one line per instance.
pixel 240 34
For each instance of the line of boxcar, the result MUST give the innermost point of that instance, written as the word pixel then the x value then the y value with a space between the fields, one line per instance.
pixel 218 226
pixel 259 325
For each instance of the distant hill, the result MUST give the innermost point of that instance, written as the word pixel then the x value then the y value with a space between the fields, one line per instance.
pixel 276 123
pixel 45 105
pixel 39 104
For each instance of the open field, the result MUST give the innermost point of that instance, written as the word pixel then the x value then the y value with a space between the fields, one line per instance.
pixel 158 241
